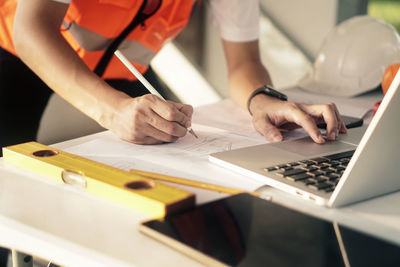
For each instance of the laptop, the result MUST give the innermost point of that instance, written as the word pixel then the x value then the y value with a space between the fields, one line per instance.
pixel 359 165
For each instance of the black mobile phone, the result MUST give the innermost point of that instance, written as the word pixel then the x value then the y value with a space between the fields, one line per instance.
pixel 243 230
pixel 350 122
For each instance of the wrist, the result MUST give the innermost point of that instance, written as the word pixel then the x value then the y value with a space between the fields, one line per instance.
pixel 108 107
pixel 261 94
pixel 259 101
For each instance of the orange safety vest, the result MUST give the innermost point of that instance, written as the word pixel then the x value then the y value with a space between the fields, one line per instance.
pixel 90 26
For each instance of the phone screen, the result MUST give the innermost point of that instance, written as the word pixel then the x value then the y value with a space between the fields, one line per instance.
pixel 350 122
pixel 244 230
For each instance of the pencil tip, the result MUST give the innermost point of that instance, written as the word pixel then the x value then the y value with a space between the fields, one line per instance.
pixel 192 132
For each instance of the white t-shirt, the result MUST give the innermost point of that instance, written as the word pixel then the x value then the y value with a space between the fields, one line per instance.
pixel 236 20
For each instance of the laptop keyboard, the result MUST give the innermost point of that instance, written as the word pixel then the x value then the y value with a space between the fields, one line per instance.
pixel 322 173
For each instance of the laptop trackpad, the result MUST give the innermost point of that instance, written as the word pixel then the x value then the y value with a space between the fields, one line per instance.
pixel 308 148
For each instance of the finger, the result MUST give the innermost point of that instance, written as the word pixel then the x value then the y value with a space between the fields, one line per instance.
pixel 147 140
pixel 342 127
pixel 327 111
pixel 142 140
pixel 146 116
pixel 169 128
pixel 170 112
pixel 338 118
pixel 157 134
pixel 186 109
pixel 307 122
pixel 266 128
pixel 148 135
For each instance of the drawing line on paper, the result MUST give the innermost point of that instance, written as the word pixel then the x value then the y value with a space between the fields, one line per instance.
pixel 208 145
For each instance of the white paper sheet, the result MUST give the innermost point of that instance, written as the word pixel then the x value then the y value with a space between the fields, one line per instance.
pixel 187 158
pixel 228 116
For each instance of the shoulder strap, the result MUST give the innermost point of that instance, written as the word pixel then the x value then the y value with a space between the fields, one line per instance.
pixel 137 20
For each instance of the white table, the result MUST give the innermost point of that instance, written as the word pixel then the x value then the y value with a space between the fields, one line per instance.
pixel 54 221
pixel 41 217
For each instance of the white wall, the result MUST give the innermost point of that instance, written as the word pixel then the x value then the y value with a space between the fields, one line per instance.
pixel 306 22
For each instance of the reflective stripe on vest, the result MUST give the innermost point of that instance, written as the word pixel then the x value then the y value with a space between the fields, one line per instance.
pixel 91 41
pixel 91 38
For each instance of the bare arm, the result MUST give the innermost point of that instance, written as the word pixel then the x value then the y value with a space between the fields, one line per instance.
pixel 246 74
pixel 46 52
pixel 41 46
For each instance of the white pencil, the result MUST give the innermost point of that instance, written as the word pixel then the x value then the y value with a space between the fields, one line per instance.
pixel 143 80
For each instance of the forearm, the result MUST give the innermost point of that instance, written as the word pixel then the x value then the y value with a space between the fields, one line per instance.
pixel 245 79
pixel 245 70
pixel 47 53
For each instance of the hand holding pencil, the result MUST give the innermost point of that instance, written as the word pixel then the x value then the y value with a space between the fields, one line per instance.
pixel 168 112
pixel 149 120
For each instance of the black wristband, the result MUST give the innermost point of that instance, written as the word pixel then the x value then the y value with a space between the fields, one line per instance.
pixel 266 90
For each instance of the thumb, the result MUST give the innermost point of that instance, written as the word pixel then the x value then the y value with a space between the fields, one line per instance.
pixel 266 128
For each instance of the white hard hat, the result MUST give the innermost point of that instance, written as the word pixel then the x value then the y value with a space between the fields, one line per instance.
pixel 353 57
